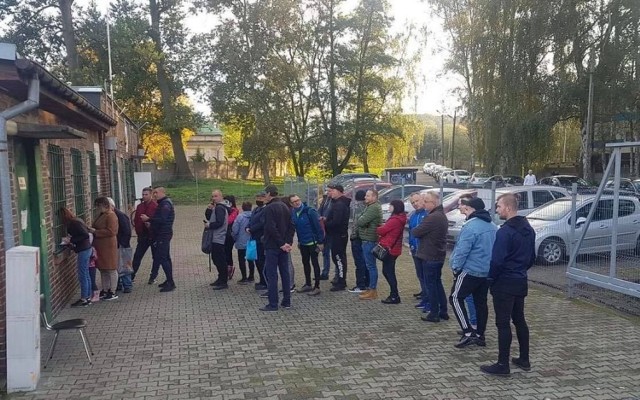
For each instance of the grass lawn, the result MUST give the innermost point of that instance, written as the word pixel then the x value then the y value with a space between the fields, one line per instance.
pixel 185 192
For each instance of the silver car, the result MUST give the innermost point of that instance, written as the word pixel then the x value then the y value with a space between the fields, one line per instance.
pixel 530 198
pixel 408 207
pixel 553 226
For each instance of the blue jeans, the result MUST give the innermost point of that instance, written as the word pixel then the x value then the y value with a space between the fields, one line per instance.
pixel 432 271
pixel 421 279
pixel 362 276
pixel 276 261
pixel 471 308
pixel 370 260
pixel 83 273
pixel 162 258
pixel 326 259
pixel 125 280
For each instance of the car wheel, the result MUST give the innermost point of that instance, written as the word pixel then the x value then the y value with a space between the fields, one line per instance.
pixel 552 251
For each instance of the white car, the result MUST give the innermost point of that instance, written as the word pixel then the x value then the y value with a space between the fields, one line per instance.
pixel 553 226
pixel 458 176
pixel 530 198
pixel 426 166
pixel 408 207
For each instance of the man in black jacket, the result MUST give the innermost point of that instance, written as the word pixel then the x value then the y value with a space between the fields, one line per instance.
pixel 278 237
pixel 256 229
pixel 162 228
pixel 336 225
pixel 513 254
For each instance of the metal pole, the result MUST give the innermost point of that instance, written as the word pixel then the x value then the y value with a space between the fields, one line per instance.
pixel 442 137
pixel 453 140
pixel 616 206
pixel 586 174
pixel 493 199
pixel 109 56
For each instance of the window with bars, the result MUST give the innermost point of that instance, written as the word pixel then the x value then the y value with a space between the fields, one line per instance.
pixel 58 196
pixel 77 176
pixel 93 177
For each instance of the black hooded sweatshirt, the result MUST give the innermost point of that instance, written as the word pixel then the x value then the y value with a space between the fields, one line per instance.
pixel 513 254
pixel 337 222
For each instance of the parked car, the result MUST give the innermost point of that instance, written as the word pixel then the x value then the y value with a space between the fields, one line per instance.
pixel 529 198
pixel 553 226
pixel 408 207
pixel 426 166
pixel 396 192
pixel 513 180
pixel 458 176
pixel 626 184
pixel 442 174
pixel 478 178
pixel 342 179
pixel 350 190
pixel 565 181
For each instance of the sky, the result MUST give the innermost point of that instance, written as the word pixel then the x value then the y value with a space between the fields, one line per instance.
pixel 435 89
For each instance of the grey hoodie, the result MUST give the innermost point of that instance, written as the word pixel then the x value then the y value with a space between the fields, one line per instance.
pixel 239 230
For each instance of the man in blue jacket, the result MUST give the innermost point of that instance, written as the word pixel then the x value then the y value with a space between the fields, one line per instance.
pixel 310 240
pixel 513 254
pixel 470 265
pixel 162 228
pixel 417 201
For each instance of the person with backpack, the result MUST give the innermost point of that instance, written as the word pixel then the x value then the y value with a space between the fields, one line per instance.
pixel 217 219
pixel 310 242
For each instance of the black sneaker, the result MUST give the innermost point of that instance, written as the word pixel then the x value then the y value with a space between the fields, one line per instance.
pixel 163 284
pixel 417 295
pixel 324 277
pixel 214 283
pixel 151 281
pixel 522 364
pixel 110 296
pixel 481 342
pixel 264 295
pixel 338 288
pixel 250 279
pixel 260 286
pixel 431 317
pixel 81 303
pixel 220 286
pixel 444 317
pixel 496 369
pixel 285 305
pixel 466 341
pixel 103 294
pixel 243 281
pixel 168 287
pixel 269 308
pixel 391 300
pixel 127 290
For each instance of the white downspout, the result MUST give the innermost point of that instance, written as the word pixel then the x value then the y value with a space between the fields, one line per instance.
pixel 32 101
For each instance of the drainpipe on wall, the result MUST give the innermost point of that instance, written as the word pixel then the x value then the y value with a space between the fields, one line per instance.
pixel 32 101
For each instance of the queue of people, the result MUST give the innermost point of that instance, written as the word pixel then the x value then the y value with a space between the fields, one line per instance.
pixel 484 258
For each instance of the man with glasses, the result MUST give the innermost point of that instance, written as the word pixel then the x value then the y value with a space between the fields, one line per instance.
pixel 432 250
pixel 310 241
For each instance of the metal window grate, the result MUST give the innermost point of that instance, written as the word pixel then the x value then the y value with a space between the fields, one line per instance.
pixel 93 177
pixel 77 176
pixel 58 195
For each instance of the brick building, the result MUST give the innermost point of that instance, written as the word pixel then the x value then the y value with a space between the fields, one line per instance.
pixel 64 152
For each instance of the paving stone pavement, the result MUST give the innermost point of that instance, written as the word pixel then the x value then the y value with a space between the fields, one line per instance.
pixel 195 343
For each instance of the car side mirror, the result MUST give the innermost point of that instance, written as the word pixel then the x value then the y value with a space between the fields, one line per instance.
pixel 580 221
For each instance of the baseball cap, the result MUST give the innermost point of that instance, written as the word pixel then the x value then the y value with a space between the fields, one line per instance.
pixel 336 186
pixel 272 189
pixel 261 193
pixel 476 203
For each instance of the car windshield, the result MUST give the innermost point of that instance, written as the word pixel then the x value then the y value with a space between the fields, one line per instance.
pixel 569 180
pixel 552 211
pixel 462 172
pixel 637 185
pixel 481 175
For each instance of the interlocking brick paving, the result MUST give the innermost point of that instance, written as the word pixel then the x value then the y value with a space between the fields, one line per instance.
pixel 195 343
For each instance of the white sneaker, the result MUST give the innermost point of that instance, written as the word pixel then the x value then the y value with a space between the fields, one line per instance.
pixel 356 290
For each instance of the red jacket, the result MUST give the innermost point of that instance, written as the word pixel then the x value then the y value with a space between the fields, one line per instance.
pixel 390 234
pixel 144 208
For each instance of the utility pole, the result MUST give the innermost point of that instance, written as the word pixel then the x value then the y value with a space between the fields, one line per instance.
pixel 442 137
pixel 453 139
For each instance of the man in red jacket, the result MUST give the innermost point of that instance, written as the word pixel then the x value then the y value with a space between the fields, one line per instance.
pixel 146 207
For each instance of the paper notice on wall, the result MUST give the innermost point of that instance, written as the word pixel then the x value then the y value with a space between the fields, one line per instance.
pixel 96 151
pixel 24 219
pixel 22 183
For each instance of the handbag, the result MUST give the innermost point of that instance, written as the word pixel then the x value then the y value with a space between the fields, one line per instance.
pixel 252 250
pixel 380 252
pixel 125 255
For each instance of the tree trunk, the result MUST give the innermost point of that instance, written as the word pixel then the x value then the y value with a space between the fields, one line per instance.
pixel 167 96
pixel 265 168
pixel 69 38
